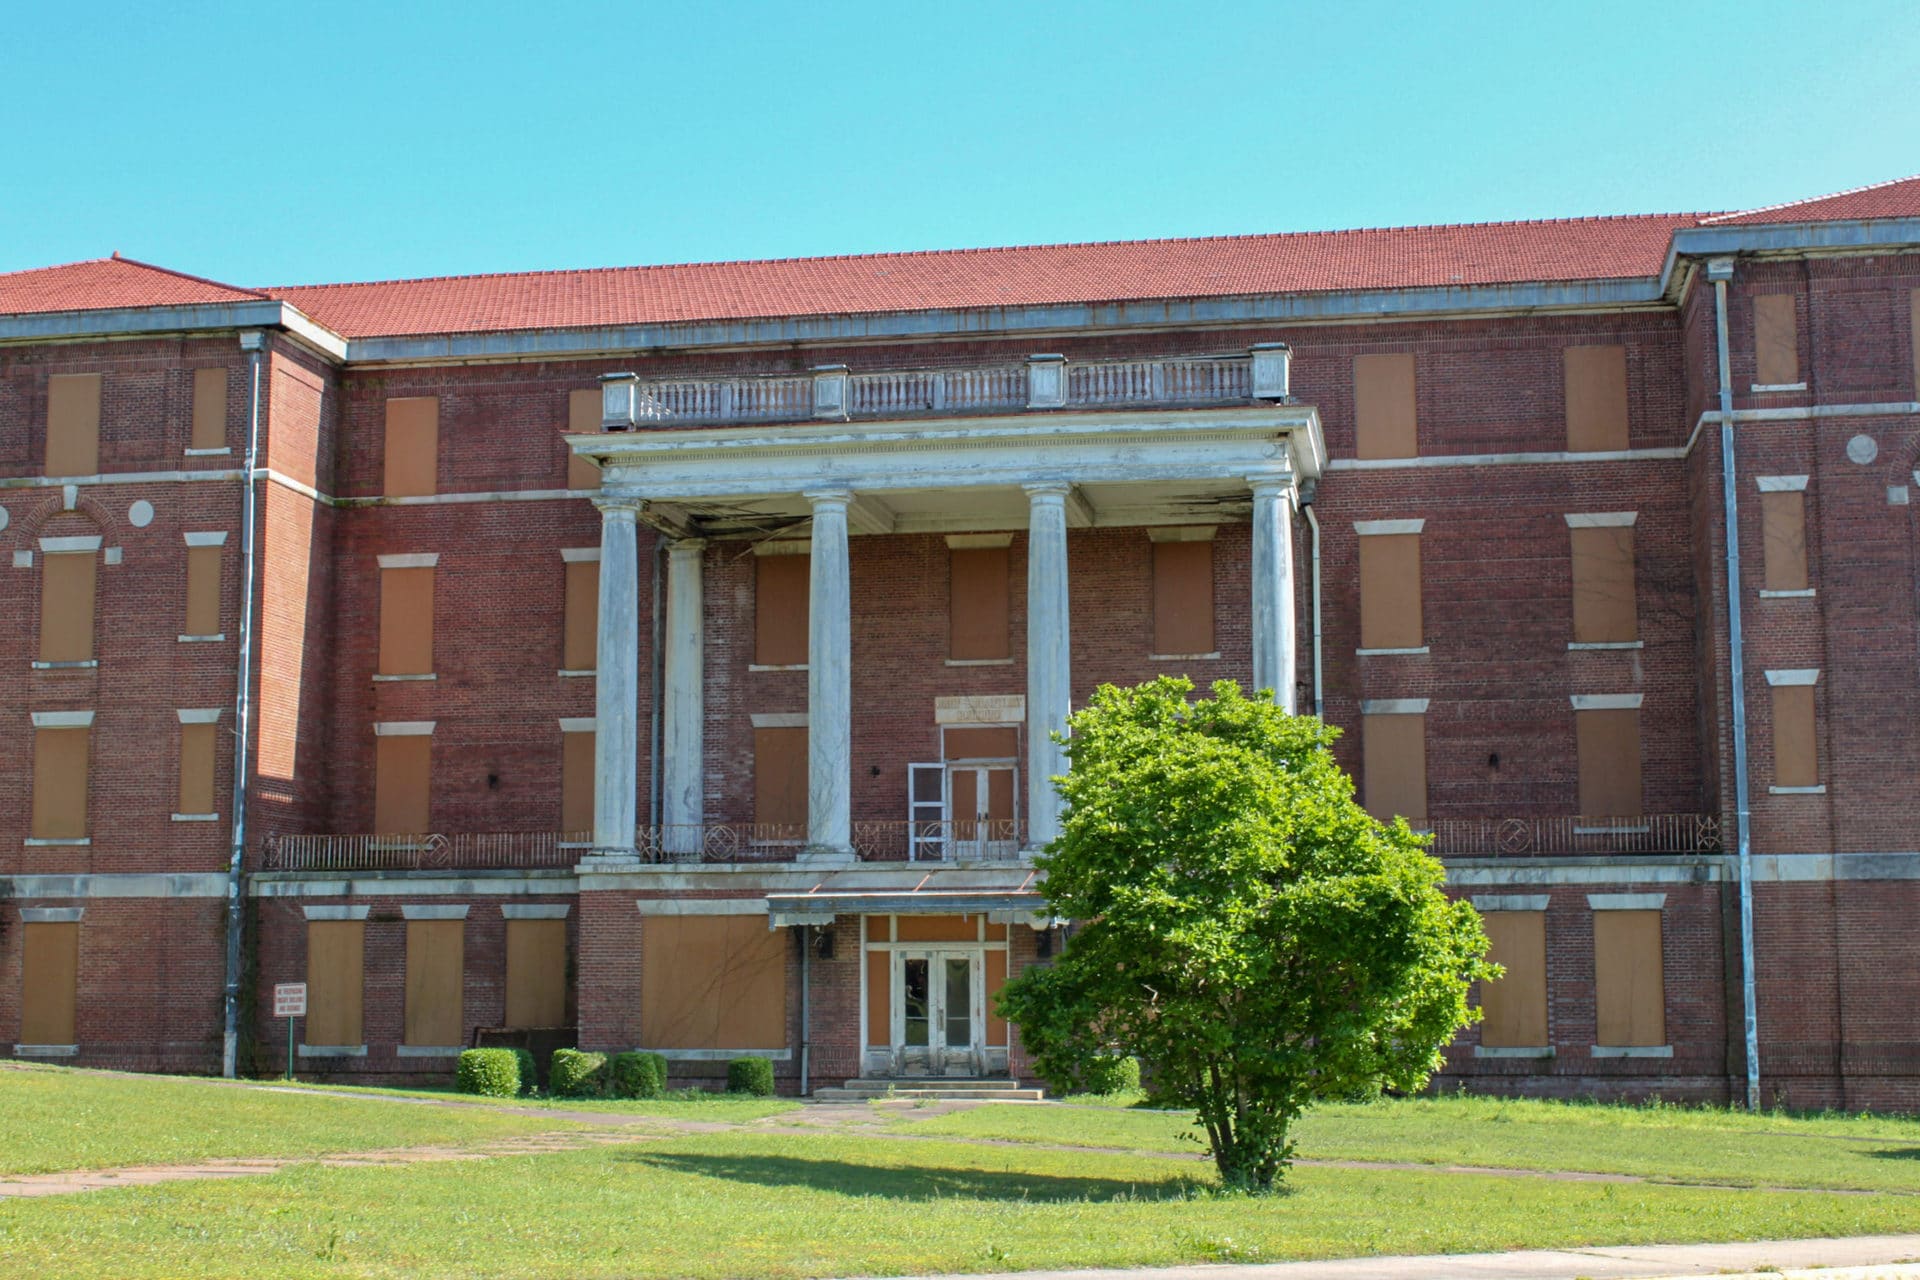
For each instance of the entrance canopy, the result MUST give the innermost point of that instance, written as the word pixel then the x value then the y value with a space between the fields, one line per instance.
pixel 1008 896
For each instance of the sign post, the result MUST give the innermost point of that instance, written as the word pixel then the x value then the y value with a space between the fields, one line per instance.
pixel 290 1002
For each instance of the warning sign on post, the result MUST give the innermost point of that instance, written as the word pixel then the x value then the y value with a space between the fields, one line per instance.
pixel 290 1000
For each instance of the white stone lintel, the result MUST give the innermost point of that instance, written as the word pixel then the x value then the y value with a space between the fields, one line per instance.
pixel 434 910
pixel 211 538
pixel 1395 707
pixel 403 728
pixel 70 545
pixel 1601 519
pixel 1626 901
pixel 1374 528
pixel 204 715
pixel 1607 701
pixel 1794 676
pixel 580 555
pixel 1183 533
pixel 412 560
pixel 1781 484
pixel 535 910
pixel 62 719
pixel 779 719
pixel 337 911
pixel 1510 901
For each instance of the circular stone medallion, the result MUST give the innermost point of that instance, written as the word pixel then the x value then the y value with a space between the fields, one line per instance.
pixel 1862 449
pixel 140 514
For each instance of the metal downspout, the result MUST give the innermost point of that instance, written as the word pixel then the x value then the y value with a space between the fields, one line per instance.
pixel 254 345
pixel 1719 271
pixel 1308 492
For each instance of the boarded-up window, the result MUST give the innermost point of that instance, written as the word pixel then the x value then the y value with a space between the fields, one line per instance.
pixel 780 782
pixel 1608 742
pixel 73 424
pixel 336 981
pixel 536 973
pixel 60 758
pixel 198 745
pixel 713 982
pixel 413 446
pixel 406 621
pixel 1596 380
pixel 996 976
pixel 879 993
pixel 1183 597
pixel 209 409
pixel 580 638
pixel 66 606
pixel 583 415
pixel 436 968
pixel 977 603
pixel 203 592
pixel 1390 605
pixel 996 743
pixel 1629 988
pixel 1796 759
pixel 1515 1005
pixel 49 981
pixel 780 610
pixel 1776 344
pixel 1394 748
pixel 1604 610
pixel 1783 527
pixel 402 784
pixel 576 781
pixel 1383 406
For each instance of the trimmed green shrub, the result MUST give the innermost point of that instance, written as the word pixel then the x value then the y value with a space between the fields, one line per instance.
pixel 574 1074
pixel 750 1075
pixel 529 1073
pixel 491 1073
pixel 1108 1076
pixel 637 1075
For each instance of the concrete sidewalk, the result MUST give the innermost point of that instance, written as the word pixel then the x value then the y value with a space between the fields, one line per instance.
pixel 1862 1257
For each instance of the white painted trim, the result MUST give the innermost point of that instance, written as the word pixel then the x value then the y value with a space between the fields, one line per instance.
pixel 1178 657
pixel 702 906
pixel 535 910
pixel 46 1050
pixel 977 662
pixel 333 1051
pixel 1510 901
pixel 1804 593
pixel 978 541
pixel 1391 653
pixel 65 666
pixel 23 559
pixel 428 1050
pixel 1767 388
pixel 68 546
pixel 222 451
pixel 51 915
pixel 199 884
pixel 1601 519
pixel 62 719
pixel 196 817
pixel 1183 533
pixel 1780 484
pixel 201 639
pixel 580 555
pixel 1607 701
pixel 1395 706
pixel 1512 1051
pixel 338 911
pixel 721 1055
pixel 1576 646
pixel 579 724
pixel 784 547
pixel 415 560
pixel 113 555
pixel 434 911
pixel 776 666
pixel 1794 676
pixel 1369 528
pixel 418 885
pixel 1662 454
pixel 569 675
pixel 779 719
pixel 1819 790
pixel 36 842
pixel 403 728
pixel 209 715
pixel 214 538
pixel 1631 1051
pixel 986 708
pixel 408 678
pixel 1627 901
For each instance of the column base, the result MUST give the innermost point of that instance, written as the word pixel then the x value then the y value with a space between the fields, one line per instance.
pixel 816 855
pixel 602 861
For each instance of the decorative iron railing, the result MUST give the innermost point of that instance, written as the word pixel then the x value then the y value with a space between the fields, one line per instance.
pixel 972 840
pixel 1546 837
pixel 468 851
pixel 721 842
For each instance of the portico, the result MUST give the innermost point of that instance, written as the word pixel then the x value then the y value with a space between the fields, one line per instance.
pixel 1042 472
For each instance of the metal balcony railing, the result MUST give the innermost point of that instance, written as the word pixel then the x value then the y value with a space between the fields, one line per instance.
pixel 467 851
pixel 1667 833
pixel 971 840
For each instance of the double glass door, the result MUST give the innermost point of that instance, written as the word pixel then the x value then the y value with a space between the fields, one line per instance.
pixel 939 1013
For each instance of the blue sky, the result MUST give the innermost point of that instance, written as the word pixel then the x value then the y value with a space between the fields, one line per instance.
pixel 282 143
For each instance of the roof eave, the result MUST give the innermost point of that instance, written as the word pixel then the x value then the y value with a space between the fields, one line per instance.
pixel 190 317
pixel 1785 237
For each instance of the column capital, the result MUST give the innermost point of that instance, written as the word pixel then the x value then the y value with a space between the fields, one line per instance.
pixel 684 547
pixel 1266 483
pixel 819 498
pixel 1047 491
pixel 619 506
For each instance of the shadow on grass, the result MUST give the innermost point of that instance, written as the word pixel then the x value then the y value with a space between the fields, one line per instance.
pixel 1897 1153
pixel 915 1183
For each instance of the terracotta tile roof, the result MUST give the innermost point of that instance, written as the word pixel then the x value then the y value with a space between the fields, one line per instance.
pixel 1899 198
pixel 1307 262
pixel 103 283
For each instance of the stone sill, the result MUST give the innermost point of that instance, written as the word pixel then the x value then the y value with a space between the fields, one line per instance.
pixel 1774 388
pixel 222 451
pixel 406 679
pixel 196 817
pixel 48 842
pixel 776 666
pixel 66 666
pixel 1804 593
pixel 1819 790
pixel 333 1051
pixel 46 1050
pixel 979 662
pixel 1606 644
pixel 1386 653
pixel 1184 657
pixel 721 1055
pixel 429 1051
pixel 202 639
pixel 570 675
pixel 1632 1051
pixel 1512 1051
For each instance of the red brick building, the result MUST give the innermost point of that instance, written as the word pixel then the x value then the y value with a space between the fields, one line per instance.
pixel 667 655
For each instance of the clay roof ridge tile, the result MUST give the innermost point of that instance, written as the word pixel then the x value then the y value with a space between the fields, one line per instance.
pixel 1707 219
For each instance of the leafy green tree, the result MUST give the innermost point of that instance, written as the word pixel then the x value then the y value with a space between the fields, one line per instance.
pixel 1248 931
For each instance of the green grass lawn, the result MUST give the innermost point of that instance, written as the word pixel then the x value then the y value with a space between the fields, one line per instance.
pixel 681 1104
pixel 53 1119
pixel 1674 1143
pixel 775 1204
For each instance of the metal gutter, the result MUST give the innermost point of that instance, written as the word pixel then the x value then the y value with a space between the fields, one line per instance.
pixel 123 322
pixel 1784 237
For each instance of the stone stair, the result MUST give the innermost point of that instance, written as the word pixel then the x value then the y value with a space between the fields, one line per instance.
pixel 931 1088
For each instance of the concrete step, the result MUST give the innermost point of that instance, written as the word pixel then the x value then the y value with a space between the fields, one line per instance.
pixel 930 1088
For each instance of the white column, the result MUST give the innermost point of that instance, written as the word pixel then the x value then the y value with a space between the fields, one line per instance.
pixel 829 682
pixel 1049 657
pixel 1274 645
pixel 616 756
pixel 683 713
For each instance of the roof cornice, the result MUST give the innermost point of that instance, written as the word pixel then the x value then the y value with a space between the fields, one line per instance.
pixel 191 317
pixel 1784 237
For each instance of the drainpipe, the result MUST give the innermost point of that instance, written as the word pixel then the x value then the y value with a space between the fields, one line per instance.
pixel 1308 492
pixel 254 345
pixel 1720 270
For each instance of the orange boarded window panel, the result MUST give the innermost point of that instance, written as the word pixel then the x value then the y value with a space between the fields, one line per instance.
pixel 576 781
pixel 580 640
pixel 713 982
pixel 583 416
pixel 412 447
pixel 1776 346
pixel 1596 392
pixel 1394 748
pixel 1515 1006
pixel 436 971
pixel 1783 527
pixel 780 610
pixel 780 782
pixel 66 606
pixel 1608 743
pixel 60 759
pixel 879 998
pixel 203 592
pixel 406 621
pixel 198 745
pixel 402 784
pixel 73 424
pixel 1796 758
pixel 1604 608
pixel 209 409
pixel 1629 984
pixel 1390 603
pixel 536 973
pixel 49 981
pixel 1183 598
pixel 336 981
pixel 977 593
pixel 1383 406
